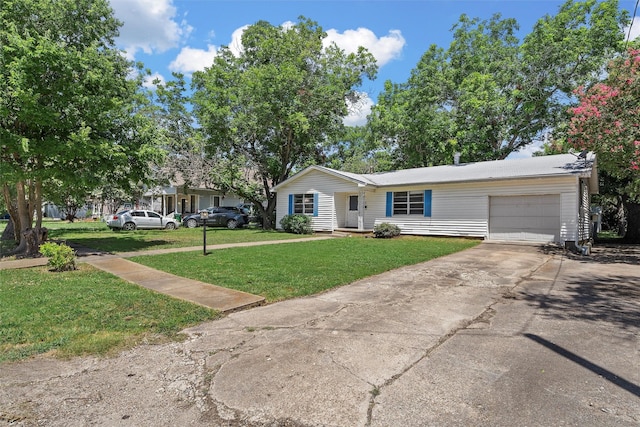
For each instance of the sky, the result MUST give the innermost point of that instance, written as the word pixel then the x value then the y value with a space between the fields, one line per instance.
pixel 185 35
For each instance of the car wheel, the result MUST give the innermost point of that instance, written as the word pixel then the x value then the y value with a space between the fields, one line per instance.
pixel 129 226
pixel 231 224
pixel 192 223
pixel 170 226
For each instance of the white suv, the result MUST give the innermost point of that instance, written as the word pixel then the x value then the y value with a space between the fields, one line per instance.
pixel 136 218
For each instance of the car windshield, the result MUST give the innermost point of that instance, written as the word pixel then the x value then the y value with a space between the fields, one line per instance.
pixel 122 212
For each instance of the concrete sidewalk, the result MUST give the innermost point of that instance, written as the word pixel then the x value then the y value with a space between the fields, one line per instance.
pixel 209 295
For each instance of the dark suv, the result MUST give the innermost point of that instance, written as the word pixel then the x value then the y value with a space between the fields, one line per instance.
pixel 222 216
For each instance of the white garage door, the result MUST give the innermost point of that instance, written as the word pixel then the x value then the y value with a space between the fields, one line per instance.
pixel 525 218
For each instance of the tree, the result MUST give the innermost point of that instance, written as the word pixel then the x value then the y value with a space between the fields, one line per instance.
pixel 356 151
pixel 69 110
pixel 272 108
pixel 607 121
pixel 489 94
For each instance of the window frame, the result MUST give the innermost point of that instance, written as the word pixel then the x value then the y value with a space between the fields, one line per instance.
pixel 409 202
pixel 303 204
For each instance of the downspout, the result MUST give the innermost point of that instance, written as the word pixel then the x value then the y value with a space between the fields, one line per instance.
pixel 584 196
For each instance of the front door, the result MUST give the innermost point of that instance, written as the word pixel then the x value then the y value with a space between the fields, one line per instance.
pixel 352 211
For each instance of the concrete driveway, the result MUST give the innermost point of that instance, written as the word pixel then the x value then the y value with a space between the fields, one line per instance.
pixel 498 335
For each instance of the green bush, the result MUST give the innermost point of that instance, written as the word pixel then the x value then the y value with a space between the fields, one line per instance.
pixel 297 224
pixel 386 230
pixel 61 257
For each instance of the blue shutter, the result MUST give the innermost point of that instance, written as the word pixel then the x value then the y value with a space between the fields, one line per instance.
pixel 315 204
pixel 427 202
pixel 290 204
pixel 389 203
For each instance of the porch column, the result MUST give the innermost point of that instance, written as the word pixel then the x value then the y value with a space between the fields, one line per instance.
pixel 361 204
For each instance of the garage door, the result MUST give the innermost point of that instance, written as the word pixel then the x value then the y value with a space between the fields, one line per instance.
pixel 525 218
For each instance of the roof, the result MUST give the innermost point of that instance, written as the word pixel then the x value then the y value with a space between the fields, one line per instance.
pixel 533 167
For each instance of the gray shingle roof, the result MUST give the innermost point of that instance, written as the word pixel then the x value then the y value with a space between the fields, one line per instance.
pixel 543 166
pixel 558 165
pixel 533 167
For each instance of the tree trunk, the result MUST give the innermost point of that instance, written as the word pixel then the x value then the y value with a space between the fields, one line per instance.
pixel 30 242
pixel 632 210
pixel 12 207
pixel 25 205
pixel 269 215
pixel 9 232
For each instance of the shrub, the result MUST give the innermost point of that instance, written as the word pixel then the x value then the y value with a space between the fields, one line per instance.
pixel 386 230
pixel 61 257
pixel 296 224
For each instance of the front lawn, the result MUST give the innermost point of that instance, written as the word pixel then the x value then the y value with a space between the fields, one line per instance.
pixel 279 272
pixel 91 312
pixel 98 236
pixel 84 312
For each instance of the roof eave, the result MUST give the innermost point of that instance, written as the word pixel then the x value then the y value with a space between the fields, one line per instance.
pixel 359 183
pixel 509 178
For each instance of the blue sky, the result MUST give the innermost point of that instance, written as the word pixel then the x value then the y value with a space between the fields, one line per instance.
pixel 184 35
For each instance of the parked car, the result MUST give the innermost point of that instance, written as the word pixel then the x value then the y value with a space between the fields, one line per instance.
pixel 136 218
pixel 222 216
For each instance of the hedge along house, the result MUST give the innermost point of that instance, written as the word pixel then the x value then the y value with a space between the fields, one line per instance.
pixel 539 199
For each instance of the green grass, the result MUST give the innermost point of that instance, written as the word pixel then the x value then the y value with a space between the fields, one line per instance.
pixel 98 236
pixel 84 312
pixel 284 271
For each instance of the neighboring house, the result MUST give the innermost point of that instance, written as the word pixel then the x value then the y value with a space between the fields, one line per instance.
pixel 539 199
pixel 181 199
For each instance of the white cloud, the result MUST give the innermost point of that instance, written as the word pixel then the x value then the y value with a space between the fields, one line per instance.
pixel 236 41
pixel 149 25
pixel 384 49
pixel 149 81
pixel 635 29
pixel 359 111
pixel 527 151
pixel 190 59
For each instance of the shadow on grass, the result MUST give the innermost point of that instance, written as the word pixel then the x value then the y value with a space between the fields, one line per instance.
pixel 113 244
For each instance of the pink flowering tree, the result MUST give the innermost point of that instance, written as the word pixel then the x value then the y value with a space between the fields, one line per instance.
pixel 607 122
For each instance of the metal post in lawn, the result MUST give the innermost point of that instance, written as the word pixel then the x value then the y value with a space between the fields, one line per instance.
pixel 204 215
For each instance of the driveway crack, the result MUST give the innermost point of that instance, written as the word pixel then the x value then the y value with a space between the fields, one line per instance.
pixel 486 314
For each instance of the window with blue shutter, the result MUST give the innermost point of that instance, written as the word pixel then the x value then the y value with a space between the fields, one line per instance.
pixel 408 203
pixel 305 204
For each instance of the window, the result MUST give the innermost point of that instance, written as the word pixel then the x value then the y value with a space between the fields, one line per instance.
pixel 409 203
pixel 303 204
pixel 153 215
pixel 137 213
pixel 353 203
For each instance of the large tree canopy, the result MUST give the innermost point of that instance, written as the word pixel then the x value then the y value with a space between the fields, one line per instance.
pixel 607 121
pixel 490 94
pixel 271 109
pixel 68 107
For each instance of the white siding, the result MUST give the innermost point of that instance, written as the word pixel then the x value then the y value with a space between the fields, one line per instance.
pixel 463 209
pixel 460 209
pixel 569 216
pixel 323 184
